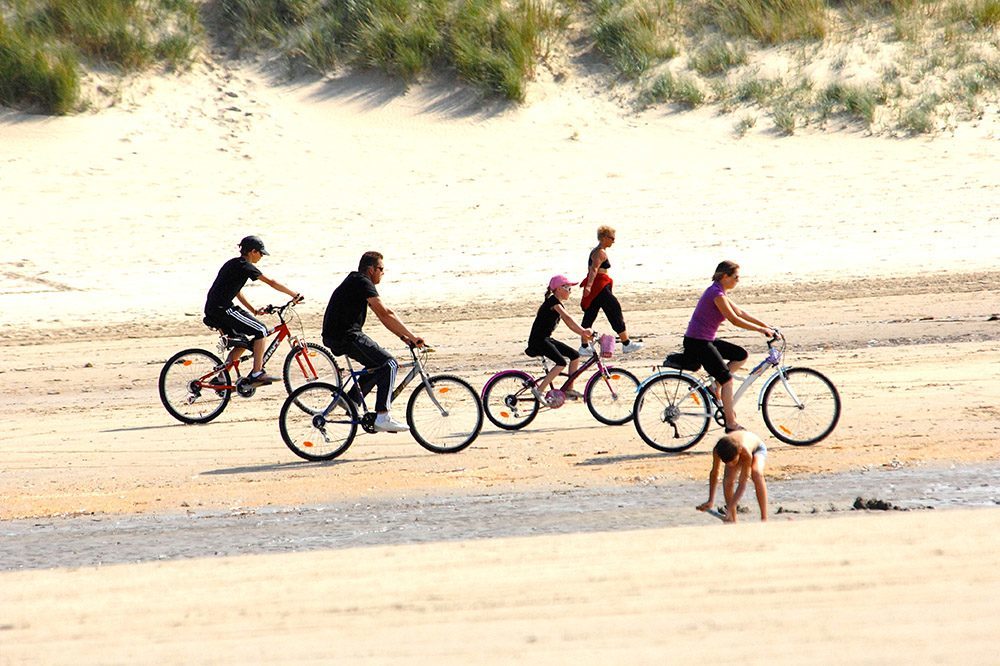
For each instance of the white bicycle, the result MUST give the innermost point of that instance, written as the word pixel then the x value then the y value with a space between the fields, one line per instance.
pixel 674 408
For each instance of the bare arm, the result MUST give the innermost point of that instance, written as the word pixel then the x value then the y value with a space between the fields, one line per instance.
pixel 595 263
pixel 573 326
pixel 713 481
pixel 392 322
pixel 242 299
pixel 737 317
pixel 274 284
pixel 740 488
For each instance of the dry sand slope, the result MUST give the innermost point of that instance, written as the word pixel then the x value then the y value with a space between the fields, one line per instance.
pixel 878 259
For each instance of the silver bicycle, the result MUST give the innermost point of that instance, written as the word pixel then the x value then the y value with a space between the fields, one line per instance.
pixel 319 421
pixel 674 407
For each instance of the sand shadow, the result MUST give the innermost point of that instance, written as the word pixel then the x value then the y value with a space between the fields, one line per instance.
pixel 534 431
pixel 297 465
pixel 613 460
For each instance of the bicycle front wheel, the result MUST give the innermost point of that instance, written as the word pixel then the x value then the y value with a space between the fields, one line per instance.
pixel 508 400
pixel 671 413
pixel 317 422
pixel 310 363
pixel 186 386
pixel 610 395
pixel 447 417
pixel 803 408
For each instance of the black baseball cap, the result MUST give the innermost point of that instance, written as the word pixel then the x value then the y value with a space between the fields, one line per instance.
pixel 253 243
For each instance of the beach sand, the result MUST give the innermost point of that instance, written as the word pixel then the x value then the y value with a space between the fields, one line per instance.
pixel 877 258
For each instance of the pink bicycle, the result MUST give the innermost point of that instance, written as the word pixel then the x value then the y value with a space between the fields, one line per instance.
pixel 511 399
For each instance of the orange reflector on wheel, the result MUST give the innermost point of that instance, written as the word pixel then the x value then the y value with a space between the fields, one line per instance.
pixel 443 389
pixel 697 400
pixel 506 415
pixel 784 430
pixel 307 444
pixel 616 377
pixel 185 362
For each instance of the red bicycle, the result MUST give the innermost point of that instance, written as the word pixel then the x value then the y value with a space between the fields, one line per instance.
pixel 196 385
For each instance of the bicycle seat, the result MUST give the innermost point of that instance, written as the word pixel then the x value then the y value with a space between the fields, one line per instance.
pixel 231 340
pixel 681 361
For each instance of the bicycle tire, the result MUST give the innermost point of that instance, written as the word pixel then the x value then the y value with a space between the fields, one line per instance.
pixel 311 414
pixel 179 392
pixel 450 432
pixel 508 401
pixel 671 412
pixel 295 373
pixel 805 424
pixel 611 406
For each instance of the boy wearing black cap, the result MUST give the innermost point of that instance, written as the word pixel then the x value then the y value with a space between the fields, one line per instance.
pixel 234 320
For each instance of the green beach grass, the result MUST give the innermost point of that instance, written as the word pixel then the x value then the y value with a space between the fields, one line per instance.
pixel 46 44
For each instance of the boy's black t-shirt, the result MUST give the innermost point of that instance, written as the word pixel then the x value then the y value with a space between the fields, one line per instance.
pixel 231 278
pixel 545 321
pixel 348 307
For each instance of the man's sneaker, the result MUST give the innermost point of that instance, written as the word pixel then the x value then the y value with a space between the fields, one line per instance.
pixel 632 346
pixel 260 378
pixel 585 351
pixel 384 423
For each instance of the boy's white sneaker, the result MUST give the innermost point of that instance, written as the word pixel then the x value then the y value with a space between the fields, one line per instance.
pixel 632 346
pixel 384 423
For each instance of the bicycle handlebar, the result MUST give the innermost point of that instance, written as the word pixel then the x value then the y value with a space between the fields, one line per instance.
pixel 280 309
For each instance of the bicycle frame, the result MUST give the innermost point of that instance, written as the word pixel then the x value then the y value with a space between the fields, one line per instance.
pixel 772 360
pixel 416 367
pixel 280 333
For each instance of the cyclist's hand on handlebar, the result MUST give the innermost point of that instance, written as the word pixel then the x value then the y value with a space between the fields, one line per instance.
pixel 298 298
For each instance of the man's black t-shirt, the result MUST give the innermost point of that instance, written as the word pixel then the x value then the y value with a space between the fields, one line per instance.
pixel 348 306
pixel 545 321
pixel 230 280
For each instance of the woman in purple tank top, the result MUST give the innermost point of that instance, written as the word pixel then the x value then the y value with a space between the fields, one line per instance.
pixel 719 357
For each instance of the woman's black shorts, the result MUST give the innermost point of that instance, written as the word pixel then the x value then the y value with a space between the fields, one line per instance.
pixel 713 354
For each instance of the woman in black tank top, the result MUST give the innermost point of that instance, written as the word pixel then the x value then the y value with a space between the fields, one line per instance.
pixel 597 294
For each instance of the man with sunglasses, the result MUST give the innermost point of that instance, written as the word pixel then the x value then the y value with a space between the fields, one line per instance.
pixel 342 333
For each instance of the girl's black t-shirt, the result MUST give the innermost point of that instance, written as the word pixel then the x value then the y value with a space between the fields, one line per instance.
pixel 545 321
pixel 231 278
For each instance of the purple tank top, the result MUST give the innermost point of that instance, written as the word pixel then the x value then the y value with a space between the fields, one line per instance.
pixel 706 319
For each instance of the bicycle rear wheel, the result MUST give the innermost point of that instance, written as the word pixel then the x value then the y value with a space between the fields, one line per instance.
pixel 317 422
pixel 610 396
pixel 185 386
pixel 801 410
pixel 508 400
pixel 310 363
pixel 453 422
pixel 671 413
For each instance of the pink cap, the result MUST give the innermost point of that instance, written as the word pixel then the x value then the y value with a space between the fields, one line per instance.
pixel 560 281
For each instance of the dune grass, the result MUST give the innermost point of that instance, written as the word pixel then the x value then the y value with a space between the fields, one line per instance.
pixel 492 44
pixel 770 21
pixel 634 35
pixel 36 76
pixel 44 44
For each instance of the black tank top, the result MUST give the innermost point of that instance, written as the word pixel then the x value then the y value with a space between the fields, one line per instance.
pixel 605 265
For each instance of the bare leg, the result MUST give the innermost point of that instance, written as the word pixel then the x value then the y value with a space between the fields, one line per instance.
pixel 573 365
pixel 727 405
pixel 553 373
pixel 258 354
pixel 760 486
